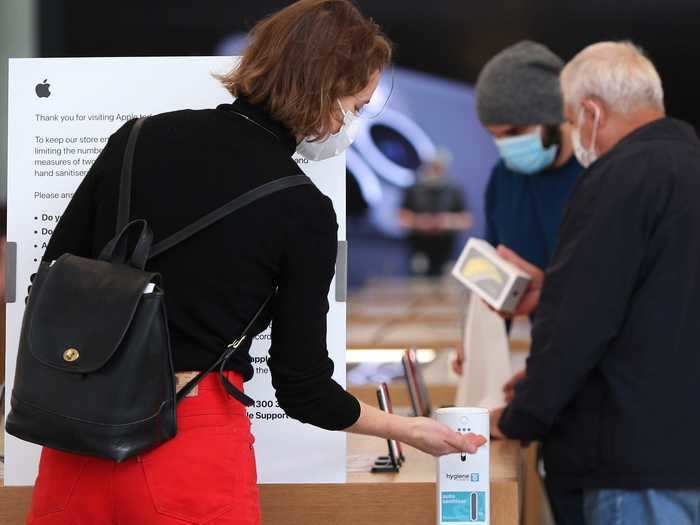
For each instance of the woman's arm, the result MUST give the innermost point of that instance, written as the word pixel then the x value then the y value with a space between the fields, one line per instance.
pixel 299 363
pixel 301 369
pixel 419 432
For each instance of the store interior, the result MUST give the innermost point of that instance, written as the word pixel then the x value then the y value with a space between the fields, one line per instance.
pixel 405 328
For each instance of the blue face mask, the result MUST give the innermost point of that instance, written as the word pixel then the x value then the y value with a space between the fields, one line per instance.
pixel 525 153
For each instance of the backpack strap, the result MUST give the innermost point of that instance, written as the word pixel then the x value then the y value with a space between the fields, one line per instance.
pixel 203 222
pixel 207 220
pixel 223 359
pixel 236 204
pixel 125 182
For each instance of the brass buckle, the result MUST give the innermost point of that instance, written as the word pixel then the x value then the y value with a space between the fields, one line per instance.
pixel 71 354
pixel 238 342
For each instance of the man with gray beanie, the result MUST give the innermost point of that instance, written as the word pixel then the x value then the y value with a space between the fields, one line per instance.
pixel 518 100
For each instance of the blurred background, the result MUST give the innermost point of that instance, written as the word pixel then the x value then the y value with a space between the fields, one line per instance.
pixel 440 48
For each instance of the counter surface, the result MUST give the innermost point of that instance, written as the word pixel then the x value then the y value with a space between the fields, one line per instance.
pixel 405 498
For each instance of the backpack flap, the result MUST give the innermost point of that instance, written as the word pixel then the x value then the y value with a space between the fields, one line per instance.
pixel 80 309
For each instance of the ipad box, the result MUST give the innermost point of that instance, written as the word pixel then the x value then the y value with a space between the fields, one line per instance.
pixel 497 281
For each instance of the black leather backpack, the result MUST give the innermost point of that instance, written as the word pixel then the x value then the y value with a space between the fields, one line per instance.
pixel 94 370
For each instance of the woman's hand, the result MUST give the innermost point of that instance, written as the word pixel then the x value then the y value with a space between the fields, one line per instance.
pixel 437 439
pixel 422 433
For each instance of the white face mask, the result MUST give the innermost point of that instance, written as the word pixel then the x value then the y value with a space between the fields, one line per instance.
pixel 585 156
pixel 333 145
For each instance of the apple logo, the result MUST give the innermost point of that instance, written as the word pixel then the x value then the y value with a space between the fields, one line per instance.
pixel 42 90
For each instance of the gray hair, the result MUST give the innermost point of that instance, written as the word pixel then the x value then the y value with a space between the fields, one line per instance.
pixel 619 73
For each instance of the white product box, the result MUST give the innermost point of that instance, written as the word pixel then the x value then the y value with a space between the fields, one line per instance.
pixel 497 281
pixel 463 479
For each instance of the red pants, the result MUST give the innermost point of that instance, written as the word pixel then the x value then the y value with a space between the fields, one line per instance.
pixel 206 474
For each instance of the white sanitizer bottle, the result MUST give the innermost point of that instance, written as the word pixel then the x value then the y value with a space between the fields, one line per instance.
pixel 463 479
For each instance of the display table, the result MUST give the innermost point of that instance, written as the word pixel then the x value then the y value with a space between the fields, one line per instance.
pixel 405 498
pixel 406 333
pixel 413 333
pixel 369 311
pixel 448 289
pixel 415 313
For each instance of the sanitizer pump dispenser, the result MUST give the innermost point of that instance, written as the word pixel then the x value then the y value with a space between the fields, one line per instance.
pixel 463 479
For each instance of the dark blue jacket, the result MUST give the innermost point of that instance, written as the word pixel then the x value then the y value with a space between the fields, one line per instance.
pixel 524 211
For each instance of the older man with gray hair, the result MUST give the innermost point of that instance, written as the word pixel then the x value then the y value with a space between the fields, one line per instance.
pixel 612 377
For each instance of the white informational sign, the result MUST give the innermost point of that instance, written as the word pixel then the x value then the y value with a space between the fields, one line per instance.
pixel 61 112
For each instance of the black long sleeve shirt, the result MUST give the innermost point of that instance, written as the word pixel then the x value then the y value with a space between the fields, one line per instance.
pixel 612 378
pixel 187 163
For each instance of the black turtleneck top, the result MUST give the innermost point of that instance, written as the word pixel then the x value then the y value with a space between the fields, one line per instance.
pixel 187 163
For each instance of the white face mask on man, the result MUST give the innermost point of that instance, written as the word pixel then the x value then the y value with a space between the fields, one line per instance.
pixel 333 145
pixel 585 156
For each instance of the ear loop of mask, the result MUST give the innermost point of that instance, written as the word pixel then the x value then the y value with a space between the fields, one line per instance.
pixel 361 114
pixel 343 112
pixel 342 123
pixel 594 131
pixel 386 100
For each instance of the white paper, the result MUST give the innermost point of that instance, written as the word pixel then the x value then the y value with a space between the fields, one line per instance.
pixel 487 365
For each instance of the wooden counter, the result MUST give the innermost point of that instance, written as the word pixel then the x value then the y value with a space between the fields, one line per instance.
pixel 404 333
pixel 368 311
pixel 405 290
pixel 409 496
pixel 412 333
pixel 405 498
pixel 422 313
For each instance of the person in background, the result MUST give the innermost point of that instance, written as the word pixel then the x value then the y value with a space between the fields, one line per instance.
pixel 518 100
pixel 613 371
pixel 433 212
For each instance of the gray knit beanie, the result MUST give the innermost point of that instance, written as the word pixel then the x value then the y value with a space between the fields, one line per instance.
pixel 520 86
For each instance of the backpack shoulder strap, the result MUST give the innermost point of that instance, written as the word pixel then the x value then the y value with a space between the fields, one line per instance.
pixel 207 220
pixel 124 206
pixel 236 204
pixel 125 181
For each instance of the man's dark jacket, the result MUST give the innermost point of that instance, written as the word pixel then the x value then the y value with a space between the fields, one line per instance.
pixel 613 379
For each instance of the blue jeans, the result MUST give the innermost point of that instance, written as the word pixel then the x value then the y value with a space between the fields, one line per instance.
pixel 642 507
